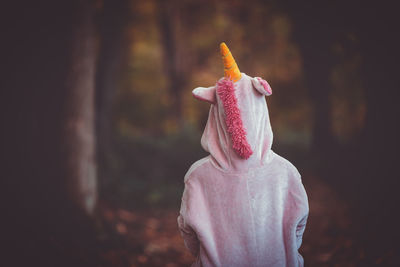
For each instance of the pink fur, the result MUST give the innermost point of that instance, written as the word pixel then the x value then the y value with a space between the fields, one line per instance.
pixel 234 124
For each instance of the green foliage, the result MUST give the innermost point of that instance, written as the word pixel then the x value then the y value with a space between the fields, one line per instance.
pixel 149 171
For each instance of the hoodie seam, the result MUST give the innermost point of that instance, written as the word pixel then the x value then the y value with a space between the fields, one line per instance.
pixel 249 199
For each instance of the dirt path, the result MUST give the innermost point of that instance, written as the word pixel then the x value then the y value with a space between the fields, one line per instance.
pixel 152 238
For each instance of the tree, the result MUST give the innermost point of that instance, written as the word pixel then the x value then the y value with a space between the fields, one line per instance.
pixel 176 67
pixel 79 127
pixel 316 30
pixel 48 144
pixel 114 46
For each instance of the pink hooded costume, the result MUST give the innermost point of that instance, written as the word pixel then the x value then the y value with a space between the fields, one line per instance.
pixel 243 205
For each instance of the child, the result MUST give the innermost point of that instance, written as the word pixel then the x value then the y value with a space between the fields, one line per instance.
pixel 243 205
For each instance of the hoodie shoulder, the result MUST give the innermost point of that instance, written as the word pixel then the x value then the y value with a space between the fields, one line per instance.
pixel 285 164
pixel 293 182
pixel 195 166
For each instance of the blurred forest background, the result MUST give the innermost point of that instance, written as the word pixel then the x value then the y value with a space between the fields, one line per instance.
pixel 99 124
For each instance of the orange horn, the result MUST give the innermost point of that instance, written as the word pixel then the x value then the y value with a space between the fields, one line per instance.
pixel 231 69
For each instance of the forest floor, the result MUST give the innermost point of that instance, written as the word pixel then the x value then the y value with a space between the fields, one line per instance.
pixel 151 238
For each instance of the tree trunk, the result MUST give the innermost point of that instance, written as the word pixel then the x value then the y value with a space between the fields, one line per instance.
pixel 176 73
pixel 48 143
pixel 78 129
pixel 315 29
pixel 114 46
pixel 317 68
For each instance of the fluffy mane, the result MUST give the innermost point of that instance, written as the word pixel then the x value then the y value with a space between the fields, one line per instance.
pixel 234 124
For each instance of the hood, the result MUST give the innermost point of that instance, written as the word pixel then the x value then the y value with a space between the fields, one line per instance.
pixel 238 133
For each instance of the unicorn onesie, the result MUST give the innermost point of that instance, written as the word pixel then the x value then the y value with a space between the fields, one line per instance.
pixel 243 205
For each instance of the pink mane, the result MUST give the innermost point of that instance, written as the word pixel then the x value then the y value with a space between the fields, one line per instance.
pixel 234 124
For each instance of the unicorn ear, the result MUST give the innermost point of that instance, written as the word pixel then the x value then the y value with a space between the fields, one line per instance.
pixel 261 86
pixel 205 94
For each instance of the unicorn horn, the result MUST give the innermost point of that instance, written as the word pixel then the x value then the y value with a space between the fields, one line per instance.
pixel 231 69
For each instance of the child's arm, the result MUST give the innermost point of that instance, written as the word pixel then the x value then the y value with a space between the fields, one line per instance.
pixel 300 230
pixel 189 236
pixel 299 238
pixel 302 203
